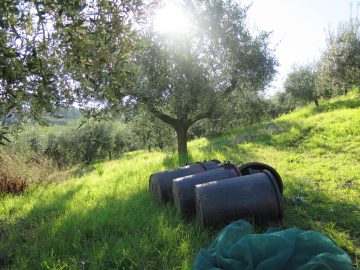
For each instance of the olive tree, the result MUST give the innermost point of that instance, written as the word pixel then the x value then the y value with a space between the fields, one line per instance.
pixel 49 51
pixel 189 78
pixel 61 51
pixel 338 68
pixel 300 83
pixel 31 77
pixel 56 52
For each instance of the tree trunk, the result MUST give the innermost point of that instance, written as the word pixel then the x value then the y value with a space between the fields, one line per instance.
pixel 181 134
pixel 181 126
pixel 316 102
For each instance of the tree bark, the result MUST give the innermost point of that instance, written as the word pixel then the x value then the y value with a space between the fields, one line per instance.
pixel 181 134
pixel 316 102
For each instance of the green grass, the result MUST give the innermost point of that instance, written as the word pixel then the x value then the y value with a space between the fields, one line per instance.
pixel 107 220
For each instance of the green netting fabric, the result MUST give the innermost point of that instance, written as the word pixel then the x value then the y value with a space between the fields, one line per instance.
pixel 238 247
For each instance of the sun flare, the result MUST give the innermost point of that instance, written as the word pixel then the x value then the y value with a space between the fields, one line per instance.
pixel 171 19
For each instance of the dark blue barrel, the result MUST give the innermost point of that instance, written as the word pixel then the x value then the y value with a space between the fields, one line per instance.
pixel 255 197
pixel 160 183
pixel 184 188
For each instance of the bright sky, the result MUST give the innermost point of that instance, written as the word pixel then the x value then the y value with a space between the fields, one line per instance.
pixel 299 28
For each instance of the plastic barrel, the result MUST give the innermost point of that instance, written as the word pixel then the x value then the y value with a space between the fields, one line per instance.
pixel 160 183
pixel 254 197
pixel 184 188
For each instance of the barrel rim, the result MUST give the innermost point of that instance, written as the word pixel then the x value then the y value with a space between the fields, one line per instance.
pixel 152 185
pixel 263 167
pixel 278 194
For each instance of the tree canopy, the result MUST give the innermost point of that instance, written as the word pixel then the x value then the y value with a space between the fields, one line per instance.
pixel 338 68
pixel 48 51
pixel 184 79
pixel 300 83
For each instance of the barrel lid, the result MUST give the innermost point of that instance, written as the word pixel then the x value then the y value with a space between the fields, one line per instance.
pixel 245 169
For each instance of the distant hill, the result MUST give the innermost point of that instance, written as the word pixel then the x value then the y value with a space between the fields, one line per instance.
pixel 63 116
pixel 60 118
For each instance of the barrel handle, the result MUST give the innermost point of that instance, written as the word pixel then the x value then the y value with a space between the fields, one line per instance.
pixel 227 165
pixel 202 165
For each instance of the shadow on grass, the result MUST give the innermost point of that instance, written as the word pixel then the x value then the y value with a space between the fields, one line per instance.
pixel 82 169
pixel 318 210
pixel 135 232
pixel 19 236
pixel 119 233
pixel 280 135
pixel 132 231
pixel 320 207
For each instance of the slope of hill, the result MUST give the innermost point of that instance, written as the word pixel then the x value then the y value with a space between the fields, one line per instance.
pixel 107 220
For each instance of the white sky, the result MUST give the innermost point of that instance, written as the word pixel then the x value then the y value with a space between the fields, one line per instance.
pixel 299 28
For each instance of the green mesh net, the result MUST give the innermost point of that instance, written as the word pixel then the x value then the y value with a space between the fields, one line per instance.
pixel 238 247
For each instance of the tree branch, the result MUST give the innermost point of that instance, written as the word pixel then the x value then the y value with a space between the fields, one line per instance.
pixel 200 116
pixel 164 117
pixel 231 87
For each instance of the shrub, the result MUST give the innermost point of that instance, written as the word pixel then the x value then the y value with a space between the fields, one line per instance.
pixel 86 142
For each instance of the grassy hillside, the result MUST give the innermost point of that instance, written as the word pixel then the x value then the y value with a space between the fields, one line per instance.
pixel 107 220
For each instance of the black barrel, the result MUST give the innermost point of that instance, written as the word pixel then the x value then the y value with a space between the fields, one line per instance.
pixel 254 197
pixel 184 188
pixel 257 167
pixel 160 183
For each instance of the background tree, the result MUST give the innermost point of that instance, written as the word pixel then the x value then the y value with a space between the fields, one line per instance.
pixel 31 81
pixel 149 132
pixel 99 44
pixel 338 68
pixel 246 109
pixel 281 103
pixel 300 83
pixel 184 80
pixel 48 50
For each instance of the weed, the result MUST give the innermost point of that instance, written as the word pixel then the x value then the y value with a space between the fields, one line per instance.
pixel 100 170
